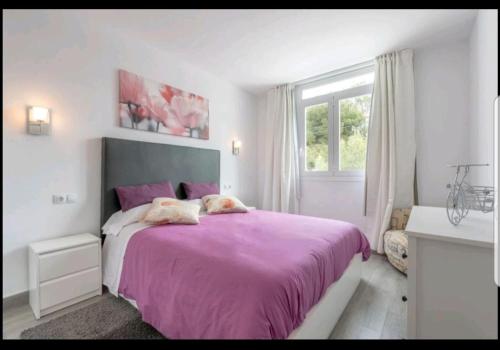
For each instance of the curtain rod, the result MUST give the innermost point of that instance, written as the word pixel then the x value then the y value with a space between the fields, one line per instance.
pixel 335 72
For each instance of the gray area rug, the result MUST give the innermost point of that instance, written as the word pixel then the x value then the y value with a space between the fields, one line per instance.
pixel 109 318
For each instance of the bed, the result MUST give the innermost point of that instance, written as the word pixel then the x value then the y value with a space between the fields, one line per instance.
pixel 259 274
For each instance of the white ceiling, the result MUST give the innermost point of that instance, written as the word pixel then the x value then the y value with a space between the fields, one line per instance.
pixel 256 49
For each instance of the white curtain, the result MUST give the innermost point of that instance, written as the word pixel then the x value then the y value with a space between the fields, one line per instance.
pixel 281 164
pixel 390 159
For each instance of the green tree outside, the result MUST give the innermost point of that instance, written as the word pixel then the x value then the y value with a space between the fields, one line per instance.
pixel 317 137
pixel 354 130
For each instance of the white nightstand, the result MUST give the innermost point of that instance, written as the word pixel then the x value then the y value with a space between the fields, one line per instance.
pixel 64 271
pixel 451 290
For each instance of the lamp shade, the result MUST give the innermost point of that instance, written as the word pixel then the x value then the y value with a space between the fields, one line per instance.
pixel 38 120
pixel 236 147
pixel 39 115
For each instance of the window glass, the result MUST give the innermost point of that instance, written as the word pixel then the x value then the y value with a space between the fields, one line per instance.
pixel 353 116
pixel 364 79
pixel 316 127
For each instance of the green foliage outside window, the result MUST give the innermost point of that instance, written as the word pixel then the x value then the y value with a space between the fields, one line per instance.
pixel 317 137
pixel 353 136
pixel 354 131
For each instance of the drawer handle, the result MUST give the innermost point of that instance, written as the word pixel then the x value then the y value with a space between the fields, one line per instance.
pixel 404 256
pixel 404 298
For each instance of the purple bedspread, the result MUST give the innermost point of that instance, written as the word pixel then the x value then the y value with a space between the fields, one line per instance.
pixel 249 275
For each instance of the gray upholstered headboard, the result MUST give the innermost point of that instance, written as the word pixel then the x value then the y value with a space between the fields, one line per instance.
pixel 126 162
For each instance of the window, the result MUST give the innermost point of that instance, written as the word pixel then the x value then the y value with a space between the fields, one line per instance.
pixel 316 158
pixel 333 117
pixel 364 79
pixel 353 114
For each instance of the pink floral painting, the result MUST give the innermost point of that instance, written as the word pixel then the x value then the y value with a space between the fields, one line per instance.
pixel 151 106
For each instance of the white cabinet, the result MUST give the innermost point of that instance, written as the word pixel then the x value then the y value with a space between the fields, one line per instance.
pixel 64 271
pixel 451 288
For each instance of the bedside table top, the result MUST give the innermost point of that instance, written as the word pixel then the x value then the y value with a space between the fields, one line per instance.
pixel 432 223
pixel 65 242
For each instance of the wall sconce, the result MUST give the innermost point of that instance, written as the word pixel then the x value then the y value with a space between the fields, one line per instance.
pixel 236 147
pixel 38 120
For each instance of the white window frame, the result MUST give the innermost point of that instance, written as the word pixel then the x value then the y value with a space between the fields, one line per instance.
pixel 332 99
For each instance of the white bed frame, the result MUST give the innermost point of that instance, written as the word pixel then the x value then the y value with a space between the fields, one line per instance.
pixel 322 318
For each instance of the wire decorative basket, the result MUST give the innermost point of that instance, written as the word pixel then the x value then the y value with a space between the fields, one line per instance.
pixel 480 198
pixel 464 197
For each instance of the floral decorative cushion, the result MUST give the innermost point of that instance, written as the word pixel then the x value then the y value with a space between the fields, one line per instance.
pixel 399 218
pixel 396 248
pixel 172 211
pixel 221 204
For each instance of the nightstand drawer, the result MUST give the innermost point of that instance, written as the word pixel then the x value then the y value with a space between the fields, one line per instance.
pixel 64 262
pixel 69 287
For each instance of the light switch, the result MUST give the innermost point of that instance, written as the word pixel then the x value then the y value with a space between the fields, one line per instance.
pixel 71 198
pixel 58 198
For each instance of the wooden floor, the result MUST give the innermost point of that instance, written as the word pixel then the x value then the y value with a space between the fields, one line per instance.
pixel 375 311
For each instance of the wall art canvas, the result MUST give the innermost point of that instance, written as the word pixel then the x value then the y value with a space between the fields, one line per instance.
pixel 156 107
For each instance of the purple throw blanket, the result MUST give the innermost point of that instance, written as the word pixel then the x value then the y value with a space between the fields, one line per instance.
pixel 249 275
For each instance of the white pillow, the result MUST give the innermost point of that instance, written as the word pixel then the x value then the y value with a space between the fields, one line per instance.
pixel 197 201
pixel 120 219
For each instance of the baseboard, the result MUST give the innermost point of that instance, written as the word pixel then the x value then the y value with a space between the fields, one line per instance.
pixel 15 300
pixel 23 298
pixel 374 251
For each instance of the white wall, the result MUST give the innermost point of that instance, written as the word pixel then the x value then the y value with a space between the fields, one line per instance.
pixel 441 94
pixel 61 62
pixel 442 117
pixel 484 90
pixel 340 200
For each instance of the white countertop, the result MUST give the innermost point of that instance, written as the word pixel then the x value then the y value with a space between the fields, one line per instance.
pixel 432 223
pixel 64 242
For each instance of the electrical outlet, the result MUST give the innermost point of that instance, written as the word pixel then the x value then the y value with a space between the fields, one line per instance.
pixel 58 198
pixel 227 186
pixel 71 197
